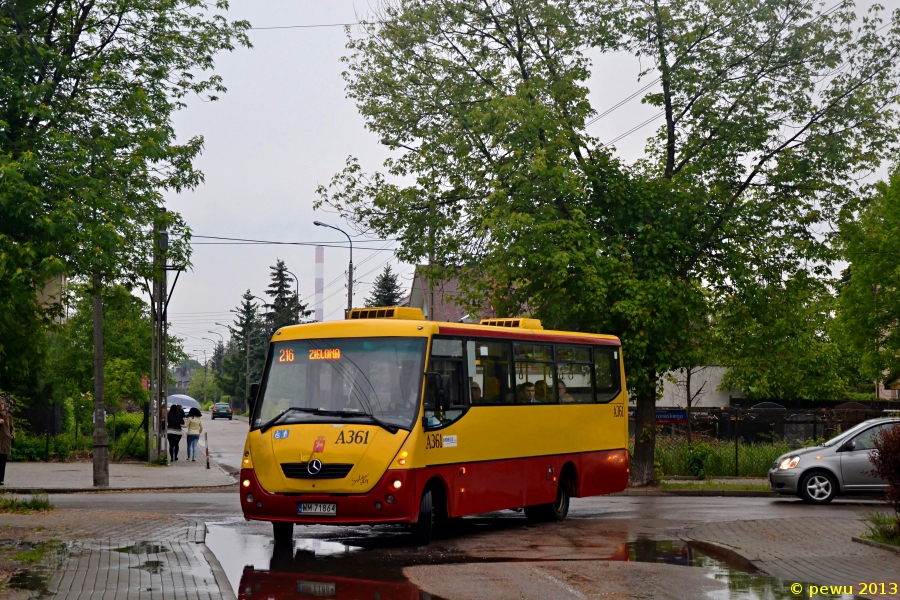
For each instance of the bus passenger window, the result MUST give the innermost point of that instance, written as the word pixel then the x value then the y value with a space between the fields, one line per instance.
pixel 535 374
pixel 606 373
pixel 489 372
pixel 573 375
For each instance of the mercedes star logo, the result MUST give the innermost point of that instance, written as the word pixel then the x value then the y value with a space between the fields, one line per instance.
pixel 314 466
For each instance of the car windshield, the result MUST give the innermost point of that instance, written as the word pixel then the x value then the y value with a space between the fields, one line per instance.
pixel 846 434
pixel 222 406
pixel 381 377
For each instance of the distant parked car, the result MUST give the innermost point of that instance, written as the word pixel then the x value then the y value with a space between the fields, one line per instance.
pixel 840 466
pixel 222 410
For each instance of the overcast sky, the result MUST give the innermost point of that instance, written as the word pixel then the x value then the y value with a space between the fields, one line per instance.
pixel 283 128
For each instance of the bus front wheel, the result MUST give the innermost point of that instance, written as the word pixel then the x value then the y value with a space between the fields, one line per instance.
pixel 282 532
pixel 422 530
pixel 554 511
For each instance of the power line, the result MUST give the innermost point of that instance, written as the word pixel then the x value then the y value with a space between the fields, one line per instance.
pixel 312 26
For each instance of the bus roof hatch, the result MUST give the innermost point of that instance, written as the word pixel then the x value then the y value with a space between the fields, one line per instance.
pixel 388 312
pixel 518 323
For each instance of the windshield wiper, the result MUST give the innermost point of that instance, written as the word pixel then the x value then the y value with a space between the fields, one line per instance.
pixel 268 424
pixel 355 413
pixel 329 413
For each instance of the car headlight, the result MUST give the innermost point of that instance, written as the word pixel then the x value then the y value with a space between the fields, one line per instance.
pixel 789 463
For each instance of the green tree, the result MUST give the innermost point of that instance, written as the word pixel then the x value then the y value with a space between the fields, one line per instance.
pixel 87 93
pixel 246 351
pixel 770 111
pixel 778 342
pixel 69 367
pixel 217 357
pixel 204 388
pixel 869 297
pixel 387 290
pixel 286 306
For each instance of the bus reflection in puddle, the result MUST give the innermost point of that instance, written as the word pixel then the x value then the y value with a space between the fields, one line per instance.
pixel 297 574
pixel 302 573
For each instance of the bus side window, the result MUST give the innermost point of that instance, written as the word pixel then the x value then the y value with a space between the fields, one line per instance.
pixel 606 373
pixel 446 359
pixel 489 372
pixel 573 369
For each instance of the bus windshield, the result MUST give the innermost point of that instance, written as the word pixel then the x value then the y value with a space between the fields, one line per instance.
pixel 347 377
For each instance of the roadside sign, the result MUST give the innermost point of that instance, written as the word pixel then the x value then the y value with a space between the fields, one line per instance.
pixel 665 415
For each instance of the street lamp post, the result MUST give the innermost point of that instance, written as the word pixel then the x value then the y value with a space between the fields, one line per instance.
pixel 297 280
pixel 350 270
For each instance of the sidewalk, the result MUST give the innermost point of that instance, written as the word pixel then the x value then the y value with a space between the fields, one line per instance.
pixel 812 550
pixel 78 477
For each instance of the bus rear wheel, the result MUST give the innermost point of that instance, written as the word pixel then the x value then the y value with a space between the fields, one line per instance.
pixel 424 528
pixel 554 511
pixel 282 532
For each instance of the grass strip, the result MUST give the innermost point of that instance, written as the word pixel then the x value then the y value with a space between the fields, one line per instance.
pixel 883 528
pixel 10 503
pixel 717 487
pixel 38 553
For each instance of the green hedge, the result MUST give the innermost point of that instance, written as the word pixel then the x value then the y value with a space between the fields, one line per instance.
pixel 34 448
pixel 715 458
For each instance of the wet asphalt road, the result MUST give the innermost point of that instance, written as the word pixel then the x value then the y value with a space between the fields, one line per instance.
pixel 628 543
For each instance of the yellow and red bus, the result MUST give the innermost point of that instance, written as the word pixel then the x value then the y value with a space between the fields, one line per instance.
pixel 388 418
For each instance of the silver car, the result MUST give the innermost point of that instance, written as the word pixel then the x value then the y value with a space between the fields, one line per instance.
pixel 839 466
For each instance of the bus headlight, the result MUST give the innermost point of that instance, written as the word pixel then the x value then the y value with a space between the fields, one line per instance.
pixel 246 483
pixel 397 484
pixel 249 497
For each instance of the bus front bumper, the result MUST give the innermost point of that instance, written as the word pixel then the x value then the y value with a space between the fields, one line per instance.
pixel 371 507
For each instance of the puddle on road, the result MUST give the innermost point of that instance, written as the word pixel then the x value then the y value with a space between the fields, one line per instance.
pixel 142 548
pixel 258 569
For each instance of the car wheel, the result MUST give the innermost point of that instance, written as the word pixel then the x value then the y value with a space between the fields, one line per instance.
pixel 555 511
pixel 818 487
pixel 282 532
pixel 422 530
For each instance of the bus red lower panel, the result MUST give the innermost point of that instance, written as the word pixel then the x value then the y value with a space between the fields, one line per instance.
pixel 371 507
pixel 480 487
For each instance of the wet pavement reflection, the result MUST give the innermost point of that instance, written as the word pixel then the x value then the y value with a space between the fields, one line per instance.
pixel 368 563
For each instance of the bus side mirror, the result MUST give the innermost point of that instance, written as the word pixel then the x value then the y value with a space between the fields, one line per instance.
pixel 437 391
pixel 251 400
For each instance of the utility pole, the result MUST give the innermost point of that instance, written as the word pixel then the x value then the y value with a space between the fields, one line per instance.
pixel 349 270
pixel 159 380
pixel 101 437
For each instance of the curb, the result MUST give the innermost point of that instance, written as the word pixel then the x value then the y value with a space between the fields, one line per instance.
pixel 888 547
pixel 722 493
pixel 94 490
pixel 199 529
pixel 726 554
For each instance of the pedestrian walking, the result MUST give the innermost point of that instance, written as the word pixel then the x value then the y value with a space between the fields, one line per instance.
pixel 7 434
pixel 174 424
pixel 194 429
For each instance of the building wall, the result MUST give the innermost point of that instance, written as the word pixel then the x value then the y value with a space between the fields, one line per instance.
pixel 705 379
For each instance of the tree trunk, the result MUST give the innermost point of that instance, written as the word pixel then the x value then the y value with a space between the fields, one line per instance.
pixel 101 439
pixel 687 387
pixel 644 434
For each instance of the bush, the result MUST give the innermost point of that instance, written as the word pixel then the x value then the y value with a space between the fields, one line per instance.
pixel 716 457
pixel 887 462
pixel 698 456
pixel 137 449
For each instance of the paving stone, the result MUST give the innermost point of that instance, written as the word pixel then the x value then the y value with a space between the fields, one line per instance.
pixel 809 550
